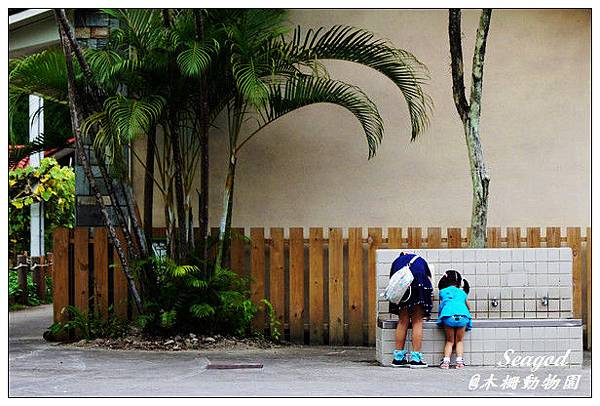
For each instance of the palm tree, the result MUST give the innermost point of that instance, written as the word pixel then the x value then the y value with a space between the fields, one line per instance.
pixel 265 75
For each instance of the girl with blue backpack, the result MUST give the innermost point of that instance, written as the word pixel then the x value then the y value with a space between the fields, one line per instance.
pixel 454 315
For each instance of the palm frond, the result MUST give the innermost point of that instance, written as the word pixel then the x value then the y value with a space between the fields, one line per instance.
pixel 361 46
pixel 249 81
pixel 305 90
pixel 196 58
pixel 133 117
pixel 43 74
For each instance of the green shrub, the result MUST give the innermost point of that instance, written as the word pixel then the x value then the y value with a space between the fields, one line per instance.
pixel 49 183
pixel 32 298
pixel 190 300
pixel 90 326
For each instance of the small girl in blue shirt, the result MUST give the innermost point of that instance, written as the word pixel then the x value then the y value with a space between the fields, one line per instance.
pixel 454 315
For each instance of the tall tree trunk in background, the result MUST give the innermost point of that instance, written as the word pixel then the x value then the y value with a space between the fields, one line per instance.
pixel 182 235
pixel 470 113
pixel 204 153
pixel 149 184
pixel 74 102
pixel 227 193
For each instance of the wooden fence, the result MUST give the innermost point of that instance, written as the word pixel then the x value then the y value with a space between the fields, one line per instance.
pixel 322 287
pixel 39 268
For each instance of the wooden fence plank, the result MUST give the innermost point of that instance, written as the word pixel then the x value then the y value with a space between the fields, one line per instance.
pixel 588 318
pixel 513 237
pixel 257 273
pixel 434 237
pixel 82 265
pixel 237 251
pixel 297 284
pixel 493 237
pixel 374 241
pixel 120 287
pixel 394 237
pixel 553 237
pixel 414 237
pixel 574 241
pixel 276 273
pixel 60 273
pixel 101 271
pixel 454 238
pixel 316 310
pixel 533 237
pixel 336 287
pixel 355 286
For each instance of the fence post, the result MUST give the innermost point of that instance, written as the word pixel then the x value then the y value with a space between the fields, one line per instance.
pixel 513 237
pixel 60 273
pixel 454 238
pixel 257 272
pixel 296 292
pixel 493 237
pixel 22 271
pixel 533 237
pixel 574 241
pixel 276 274
pixel 414 237
pixel 374 242
pixel 434 237
pixel 588 319
pixel 553 237
pixel 394 238
pixel 37 265
pixel 355 286
pixel 315 286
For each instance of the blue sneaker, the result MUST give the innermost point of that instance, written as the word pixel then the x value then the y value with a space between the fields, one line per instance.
pixel 400 360
pixel 416 360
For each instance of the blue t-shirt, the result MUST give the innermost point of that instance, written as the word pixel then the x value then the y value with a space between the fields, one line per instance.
pixel 453 302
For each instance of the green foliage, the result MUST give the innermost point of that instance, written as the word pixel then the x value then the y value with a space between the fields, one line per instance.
pixel 274 324
pixel 190 300
pixel 32 298
pixel 90 326
pixel 303 90
pixel 49 183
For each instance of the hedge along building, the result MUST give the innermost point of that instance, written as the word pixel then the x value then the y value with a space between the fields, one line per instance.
pixel 311 168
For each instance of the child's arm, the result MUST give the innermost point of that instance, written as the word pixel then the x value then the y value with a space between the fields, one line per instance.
pixel 467 303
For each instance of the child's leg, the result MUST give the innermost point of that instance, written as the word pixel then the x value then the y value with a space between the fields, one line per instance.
pixel 459 337
pixel 401 329
pixel 449 341
pixel 416 318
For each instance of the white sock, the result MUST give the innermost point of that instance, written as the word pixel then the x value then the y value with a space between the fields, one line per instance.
pixel 447 359
pixel 459 359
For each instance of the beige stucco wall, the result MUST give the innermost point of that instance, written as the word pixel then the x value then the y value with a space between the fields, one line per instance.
pixel 311 168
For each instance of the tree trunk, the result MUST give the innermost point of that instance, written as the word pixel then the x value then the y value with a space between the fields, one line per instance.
pixel 149 184
pixel 181 240
pixel 138 248
pixel 204 152
pixel 227 192
pixel 74 101
pixel 470 113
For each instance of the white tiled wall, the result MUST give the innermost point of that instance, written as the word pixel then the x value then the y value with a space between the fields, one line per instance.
pixel 519 278
pixel 486 346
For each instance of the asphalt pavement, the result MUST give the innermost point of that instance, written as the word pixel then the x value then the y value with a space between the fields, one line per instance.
pixel 38 368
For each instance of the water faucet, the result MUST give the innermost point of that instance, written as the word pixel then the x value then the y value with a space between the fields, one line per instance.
pixel 545 300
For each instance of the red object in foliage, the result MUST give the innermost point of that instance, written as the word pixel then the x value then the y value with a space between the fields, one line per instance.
pixel 23 163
